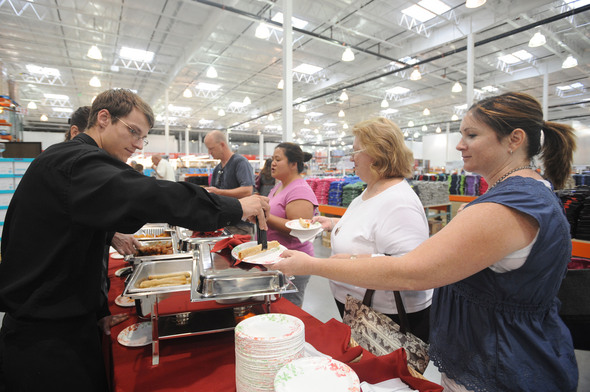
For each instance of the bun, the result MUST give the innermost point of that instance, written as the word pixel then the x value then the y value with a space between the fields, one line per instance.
pixel 254 250
pixel 304 223
pixel 307 156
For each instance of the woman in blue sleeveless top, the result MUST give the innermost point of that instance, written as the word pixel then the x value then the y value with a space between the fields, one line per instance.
pixel 497 266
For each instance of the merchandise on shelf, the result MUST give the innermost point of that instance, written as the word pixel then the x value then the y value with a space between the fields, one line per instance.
pixel 351 191
pixel 576 203
pixel 431 192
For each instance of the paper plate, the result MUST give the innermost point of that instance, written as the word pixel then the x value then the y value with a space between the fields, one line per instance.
pixel 295 225
pixel 136 335
pixel 117 256
pixel 124 301
pixel 267 257
pixel 316 374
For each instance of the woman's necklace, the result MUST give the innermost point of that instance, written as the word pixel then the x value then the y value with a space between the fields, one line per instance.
pixel 509 173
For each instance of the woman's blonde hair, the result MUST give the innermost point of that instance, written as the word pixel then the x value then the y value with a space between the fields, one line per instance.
pixel 383 141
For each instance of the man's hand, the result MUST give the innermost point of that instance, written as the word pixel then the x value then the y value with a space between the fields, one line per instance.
pixel 254 207
pixel 211 189
pixel 107 322
pixel 125 244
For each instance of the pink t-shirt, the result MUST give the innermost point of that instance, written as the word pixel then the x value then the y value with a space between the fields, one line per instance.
pixel 297 190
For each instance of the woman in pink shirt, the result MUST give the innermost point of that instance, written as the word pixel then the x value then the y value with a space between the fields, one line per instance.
pixel 291 198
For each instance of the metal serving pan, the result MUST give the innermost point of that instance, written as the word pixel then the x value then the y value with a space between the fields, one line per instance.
pixel 154 231
pixel 215 277
pixel 158 267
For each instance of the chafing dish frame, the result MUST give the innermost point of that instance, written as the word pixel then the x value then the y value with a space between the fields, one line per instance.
pixel 199 262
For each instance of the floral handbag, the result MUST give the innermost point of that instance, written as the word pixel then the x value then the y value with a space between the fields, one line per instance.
pixel 380 335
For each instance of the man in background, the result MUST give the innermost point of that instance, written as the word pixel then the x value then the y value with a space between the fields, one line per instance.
pixel 233 176
pixel 163 168
pixel 78 122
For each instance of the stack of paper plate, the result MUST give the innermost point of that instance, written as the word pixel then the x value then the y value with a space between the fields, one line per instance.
pixel 264 344
pixel 316 374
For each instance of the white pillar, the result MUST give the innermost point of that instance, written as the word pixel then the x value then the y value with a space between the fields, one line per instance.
pixel 287 71
pixel 470 68
pixel 261 147
pixel 166 120
pixel 186 141
pixel 546 95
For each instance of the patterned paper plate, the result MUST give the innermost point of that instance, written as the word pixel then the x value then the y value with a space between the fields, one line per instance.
pixel 268 257
pixel 124 301
pixel 316 374
pixel 269 327
pixel 136 335
pixel 296 225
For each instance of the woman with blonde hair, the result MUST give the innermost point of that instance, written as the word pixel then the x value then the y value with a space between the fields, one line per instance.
pixel 386 219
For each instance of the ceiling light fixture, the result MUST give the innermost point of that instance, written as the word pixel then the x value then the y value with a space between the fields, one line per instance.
pixel 211 72
pixel 424 128
pixel 454 117
pixel 341 113
pixel 410 123
pixel 384 103
pixel 569 62
pixel 457 88
pixel 43 117
pixel 32 105
pixel 271 117
pixel 262 31
pixel 94 81
pixel 438 130
pixel 247 101
pixel 345 126
pixel 343 96
pixel 347 55
pixel 302 108
pixel 281 84
pixel 306 121
pixel 416 135
pixel 144 56
pixel 415 75
pixel 537 40
pixel 94 53
pixel 187 93
pixel 426 112
pixel 221 113
pixel 406 134
pixel 474 3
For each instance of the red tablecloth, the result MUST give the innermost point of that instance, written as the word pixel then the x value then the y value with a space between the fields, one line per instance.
pixel 207 362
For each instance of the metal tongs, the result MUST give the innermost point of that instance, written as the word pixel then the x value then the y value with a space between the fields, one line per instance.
pixel 261 236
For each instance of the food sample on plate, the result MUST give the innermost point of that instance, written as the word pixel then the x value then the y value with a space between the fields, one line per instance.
pixel 305 223
pixel 162 280
pixel 164 248
pixel 254 250
pixel 201 234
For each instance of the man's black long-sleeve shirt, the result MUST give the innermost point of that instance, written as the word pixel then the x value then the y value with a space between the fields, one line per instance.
pixel 56 226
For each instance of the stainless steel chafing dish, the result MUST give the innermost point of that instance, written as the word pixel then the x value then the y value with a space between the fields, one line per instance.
pixel 216 298
pixel 189 240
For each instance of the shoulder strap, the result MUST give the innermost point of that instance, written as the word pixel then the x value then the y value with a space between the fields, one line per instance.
pixel 401 310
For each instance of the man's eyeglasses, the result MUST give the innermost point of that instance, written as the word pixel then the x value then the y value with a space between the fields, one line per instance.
pixel 135 133
pixel 353 153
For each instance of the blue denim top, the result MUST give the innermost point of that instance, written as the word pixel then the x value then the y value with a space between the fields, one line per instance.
pixel 501 331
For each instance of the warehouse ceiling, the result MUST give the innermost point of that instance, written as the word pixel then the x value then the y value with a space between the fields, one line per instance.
pixel 44 51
